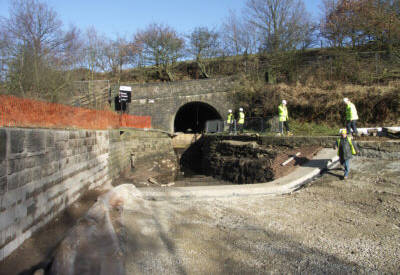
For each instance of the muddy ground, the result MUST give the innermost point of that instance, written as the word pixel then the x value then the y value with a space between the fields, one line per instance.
pixel 331 226
pixel 162 175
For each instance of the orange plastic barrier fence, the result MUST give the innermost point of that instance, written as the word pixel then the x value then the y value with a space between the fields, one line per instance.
pixel 21 112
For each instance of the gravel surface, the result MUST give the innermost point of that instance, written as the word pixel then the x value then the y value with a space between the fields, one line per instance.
pixel 331 226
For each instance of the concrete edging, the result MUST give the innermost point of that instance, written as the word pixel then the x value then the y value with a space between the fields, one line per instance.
pixel 325 159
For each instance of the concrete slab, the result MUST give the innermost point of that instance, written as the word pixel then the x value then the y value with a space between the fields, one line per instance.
pixel 326 158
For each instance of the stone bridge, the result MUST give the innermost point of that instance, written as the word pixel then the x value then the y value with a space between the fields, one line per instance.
pixel 184 105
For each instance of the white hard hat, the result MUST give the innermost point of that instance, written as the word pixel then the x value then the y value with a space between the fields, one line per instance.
pixel 230 111
pixel 346 100
pixel 241 109
pixel 284 102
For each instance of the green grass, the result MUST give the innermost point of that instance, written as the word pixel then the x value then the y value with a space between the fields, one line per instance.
pixel 299 128
pixel 313 129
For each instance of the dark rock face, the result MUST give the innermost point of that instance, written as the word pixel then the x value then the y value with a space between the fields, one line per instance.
pixel 238 162
pixel 235 161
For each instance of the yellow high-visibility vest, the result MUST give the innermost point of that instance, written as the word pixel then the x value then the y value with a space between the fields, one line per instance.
pixel 283 113
pixel 353 150
pixel 230 118
pixel 351 112
pixel 241 118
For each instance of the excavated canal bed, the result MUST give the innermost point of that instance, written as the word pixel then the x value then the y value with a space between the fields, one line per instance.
pixel 220 162
pixel 209 168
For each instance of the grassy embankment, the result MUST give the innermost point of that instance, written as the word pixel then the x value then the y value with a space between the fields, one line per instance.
pixel 313 82
pixel 319 109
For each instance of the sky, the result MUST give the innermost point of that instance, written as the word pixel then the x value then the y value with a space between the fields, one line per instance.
pixel 124 17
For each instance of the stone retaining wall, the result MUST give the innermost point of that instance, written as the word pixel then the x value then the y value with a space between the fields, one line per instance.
pixel 146 147
pixel 383 149
pixel 298 141
pixel 44 171
pixel 238 162
pixel 239 158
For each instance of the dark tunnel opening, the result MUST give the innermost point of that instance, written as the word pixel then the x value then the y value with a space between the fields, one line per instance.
pixel 192 117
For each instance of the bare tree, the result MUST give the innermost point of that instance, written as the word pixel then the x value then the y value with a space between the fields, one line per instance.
pixel 357 22
pixel 4 53
pixel 117 54
pixel 203 43
pixel 282 24
pixel 92 54
pixel 336 23
pixel 161 46
pixel 37 46
pixel 239 37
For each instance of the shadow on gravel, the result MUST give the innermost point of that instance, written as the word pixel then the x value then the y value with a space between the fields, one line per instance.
pixel 316 163
pixel 336 172
pixel 195 243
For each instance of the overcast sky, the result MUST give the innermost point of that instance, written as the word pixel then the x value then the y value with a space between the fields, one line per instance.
pixel 124 17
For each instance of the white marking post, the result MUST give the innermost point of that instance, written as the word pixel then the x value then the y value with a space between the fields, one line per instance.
pixel 290 159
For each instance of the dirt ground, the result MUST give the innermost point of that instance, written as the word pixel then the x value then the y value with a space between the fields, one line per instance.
pixel 306 154
pixel 140 175
pixel 330 226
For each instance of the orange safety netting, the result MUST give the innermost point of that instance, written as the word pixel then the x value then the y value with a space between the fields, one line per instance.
pixel 21 112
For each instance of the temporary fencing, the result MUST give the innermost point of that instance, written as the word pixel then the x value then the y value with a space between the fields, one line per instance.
pixel 261 125
pixel 22 112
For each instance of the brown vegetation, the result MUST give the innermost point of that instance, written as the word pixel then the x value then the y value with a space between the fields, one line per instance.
pixel 375 104
pixel 363 38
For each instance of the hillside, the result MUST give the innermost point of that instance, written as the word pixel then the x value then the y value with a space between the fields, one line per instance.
pixel 313 66
pixel 314 82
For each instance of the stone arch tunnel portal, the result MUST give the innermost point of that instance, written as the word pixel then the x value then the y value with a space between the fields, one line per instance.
pixel 192 117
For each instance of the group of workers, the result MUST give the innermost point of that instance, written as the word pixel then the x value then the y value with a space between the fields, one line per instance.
pixel 232 122
pixel 346 147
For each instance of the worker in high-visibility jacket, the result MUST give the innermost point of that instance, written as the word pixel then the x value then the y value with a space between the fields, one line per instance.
pixel 351 116
pixel 241 120
pixel 283 118
pixel 346 149
pixel 230 121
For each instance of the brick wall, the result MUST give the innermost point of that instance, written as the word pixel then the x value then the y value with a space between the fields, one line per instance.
pixel 43 171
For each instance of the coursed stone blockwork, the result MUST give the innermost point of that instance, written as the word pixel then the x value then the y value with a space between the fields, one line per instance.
pixel 44 171
pixel 163 101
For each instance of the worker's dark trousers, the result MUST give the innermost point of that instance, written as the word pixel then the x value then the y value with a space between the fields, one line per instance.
pixel 240 128
pixel 351 124
pixel 284 123
pixel 231 127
